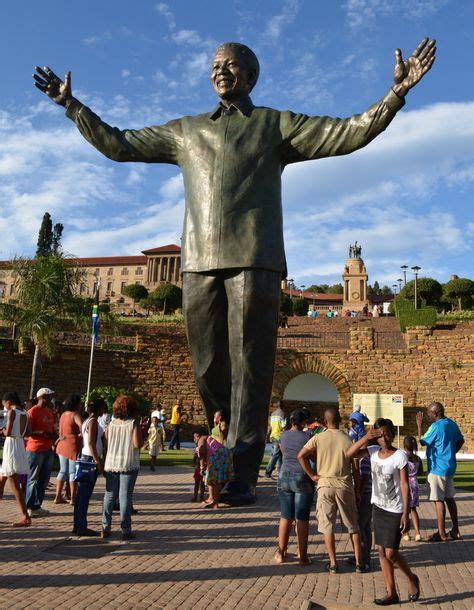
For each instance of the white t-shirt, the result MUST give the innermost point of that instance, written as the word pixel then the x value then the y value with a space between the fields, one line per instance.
pixel 386 491
pixel 160 415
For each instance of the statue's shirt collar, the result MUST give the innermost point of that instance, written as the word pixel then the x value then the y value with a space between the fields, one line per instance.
pixel 244 106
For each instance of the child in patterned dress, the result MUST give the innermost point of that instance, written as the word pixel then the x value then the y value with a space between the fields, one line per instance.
pixel 415 468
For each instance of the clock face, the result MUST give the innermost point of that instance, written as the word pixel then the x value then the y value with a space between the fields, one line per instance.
pixel 355 295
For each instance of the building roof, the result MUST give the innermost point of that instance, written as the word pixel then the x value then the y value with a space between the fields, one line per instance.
pixel 315 296
pixel 170 248
pixel 109 261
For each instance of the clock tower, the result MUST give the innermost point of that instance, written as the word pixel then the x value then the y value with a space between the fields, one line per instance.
pixel 354 280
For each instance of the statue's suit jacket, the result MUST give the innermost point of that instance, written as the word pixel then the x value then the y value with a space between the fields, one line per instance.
pixel 232 161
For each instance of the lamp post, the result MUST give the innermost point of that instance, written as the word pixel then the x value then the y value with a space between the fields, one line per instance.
pixel 290 284
pixel 399 284
pixel 302 290
pixel 394 286
pixel 415 270
pixel 404 269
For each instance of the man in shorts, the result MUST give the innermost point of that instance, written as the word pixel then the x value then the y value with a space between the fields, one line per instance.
pixel 442 440
pixel 335 487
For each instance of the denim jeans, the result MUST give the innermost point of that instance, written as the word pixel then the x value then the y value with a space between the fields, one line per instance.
pixel 175 437
pixel 119 485
pixel 40 469
pixel 66 469
pixel 83 496
pixel 296 494
pixel 276 458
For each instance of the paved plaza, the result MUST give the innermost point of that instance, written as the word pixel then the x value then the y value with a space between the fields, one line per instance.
pixel 189 557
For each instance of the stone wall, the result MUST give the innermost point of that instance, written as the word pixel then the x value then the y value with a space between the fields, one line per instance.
pixel 430 366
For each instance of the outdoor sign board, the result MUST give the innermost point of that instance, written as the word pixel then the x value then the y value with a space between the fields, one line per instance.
pixel 381 405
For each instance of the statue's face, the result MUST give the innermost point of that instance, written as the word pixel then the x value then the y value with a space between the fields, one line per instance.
pixel 230 75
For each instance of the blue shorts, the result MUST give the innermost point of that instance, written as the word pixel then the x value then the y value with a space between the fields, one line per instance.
pixel 296 494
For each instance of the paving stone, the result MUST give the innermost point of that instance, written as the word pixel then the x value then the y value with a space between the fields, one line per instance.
pixel 188 557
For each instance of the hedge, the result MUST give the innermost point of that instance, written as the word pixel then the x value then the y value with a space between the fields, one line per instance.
pixel 407 315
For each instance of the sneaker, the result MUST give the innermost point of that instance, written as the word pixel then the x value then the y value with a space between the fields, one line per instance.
pixel 129 536
pixel 406 537
pixel 105 533
pixel 362 568
pixel 29 511
pixel 38 512
pixel 331 569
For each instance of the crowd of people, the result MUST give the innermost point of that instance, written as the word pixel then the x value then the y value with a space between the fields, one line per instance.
pixel 359 475
pixel 364 478
pixel 86 445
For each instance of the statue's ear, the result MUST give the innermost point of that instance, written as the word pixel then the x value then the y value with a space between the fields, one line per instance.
pixel 251 78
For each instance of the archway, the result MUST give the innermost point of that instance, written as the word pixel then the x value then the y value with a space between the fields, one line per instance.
pixel 313 382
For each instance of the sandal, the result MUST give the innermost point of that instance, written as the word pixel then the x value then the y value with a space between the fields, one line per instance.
pixel 436 538
pixel 25 522
pixel 331 569
pixel 60 501
pixel 455 535
pixel 413 597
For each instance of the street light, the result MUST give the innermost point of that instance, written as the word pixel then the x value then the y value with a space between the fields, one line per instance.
pixel 399 284
pixel 415 270
pixel 290 282
pixel 394 286
pixel 404 269
pixel 302 290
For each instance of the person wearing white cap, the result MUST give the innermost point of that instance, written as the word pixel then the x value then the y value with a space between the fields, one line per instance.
pixel 39 447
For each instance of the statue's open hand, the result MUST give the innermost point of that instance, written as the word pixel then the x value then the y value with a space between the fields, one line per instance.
pixel 408 73
pixel 47 82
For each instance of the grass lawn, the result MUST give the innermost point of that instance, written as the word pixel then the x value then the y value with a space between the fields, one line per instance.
pixel 463 479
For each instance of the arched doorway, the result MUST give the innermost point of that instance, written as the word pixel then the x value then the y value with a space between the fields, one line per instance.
pixel 313 381
pixel 310 390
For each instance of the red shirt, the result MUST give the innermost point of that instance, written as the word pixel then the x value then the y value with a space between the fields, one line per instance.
pixel 42 419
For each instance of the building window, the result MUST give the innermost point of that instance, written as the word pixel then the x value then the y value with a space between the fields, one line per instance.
pixel 123 286
pixel 109 286
pixel 110 271
pixel 124 270
pixel 2 290
pixel 82 289
pixel 96 273
pixel 138 271
pixel 12 289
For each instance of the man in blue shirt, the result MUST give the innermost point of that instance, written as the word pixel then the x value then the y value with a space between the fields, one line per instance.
pixel 442 440
pixel 360 420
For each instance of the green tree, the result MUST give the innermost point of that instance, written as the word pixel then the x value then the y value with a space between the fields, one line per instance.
pixel 45 290
pixel 428 290
pixel 370 289
pixel 136 292
pixel 377 288
pixel 385 290
pixel 460 290
pixel 166 297
pixel 286 305
pixel 300 306
pixel 320 288
pixel 49 237
pixel 335 289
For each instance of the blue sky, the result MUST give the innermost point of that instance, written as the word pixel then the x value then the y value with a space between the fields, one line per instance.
pixel 407 198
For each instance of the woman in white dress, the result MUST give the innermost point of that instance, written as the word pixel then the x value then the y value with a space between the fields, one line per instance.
pixel 15 461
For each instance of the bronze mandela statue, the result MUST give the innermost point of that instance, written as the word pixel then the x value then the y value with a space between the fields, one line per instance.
pixel 233 258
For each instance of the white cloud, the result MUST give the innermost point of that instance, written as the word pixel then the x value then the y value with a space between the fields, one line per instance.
pixel 363 14
pixel 389 196
pixel 165 10
pixel 125 73
pixel 278 22
pixel 96 39
pixel 189 37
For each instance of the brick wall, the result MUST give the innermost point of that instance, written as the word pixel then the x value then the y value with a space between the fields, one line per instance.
pixel 431 366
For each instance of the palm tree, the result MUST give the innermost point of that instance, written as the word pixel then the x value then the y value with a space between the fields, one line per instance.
pixel 45 290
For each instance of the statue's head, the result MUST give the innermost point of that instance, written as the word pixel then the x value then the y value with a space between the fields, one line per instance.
pixel 234 71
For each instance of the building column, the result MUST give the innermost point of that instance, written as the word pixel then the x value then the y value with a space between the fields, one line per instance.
pixel 176 269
